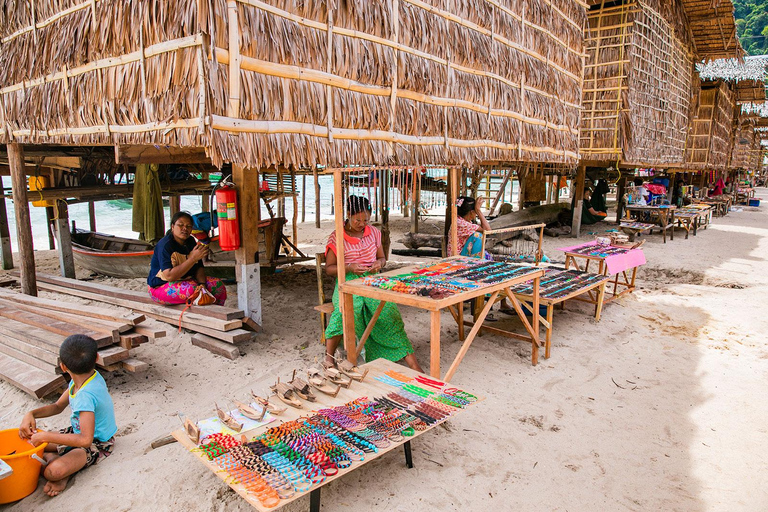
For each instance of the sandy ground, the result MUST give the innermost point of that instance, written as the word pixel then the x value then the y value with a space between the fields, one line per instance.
pixel 660 406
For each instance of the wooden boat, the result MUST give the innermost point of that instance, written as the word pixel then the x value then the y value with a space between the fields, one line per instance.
pixel 111 255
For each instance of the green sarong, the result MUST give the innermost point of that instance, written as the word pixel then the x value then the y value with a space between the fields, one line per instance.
pixel 387 339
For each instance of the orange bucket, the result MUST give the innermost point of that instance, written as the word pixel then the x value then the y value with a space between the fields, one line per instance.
pixel 25 461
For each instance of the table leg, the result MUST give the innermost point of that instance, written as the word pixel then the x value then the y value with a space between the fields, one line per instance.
pixel 535 317
pixel 434 344
pixel 314 500
pixel 348 324
pixel 548 340
pixel 461 321
pixel 368 330
pixel 663 224
pixel 671 220
pixel 534 333
pixel 408 456
pixel 634 274
pixel 470 337
pixel 600 299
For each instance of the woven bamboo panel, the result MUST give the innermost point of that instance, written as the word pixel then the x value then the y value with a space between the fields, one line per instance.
pixel 746 145
pixel 709 136
pixel 637 85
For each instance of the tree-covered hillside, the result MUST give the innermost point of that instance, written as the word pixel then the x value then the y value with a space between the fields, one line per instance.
pixel 752 25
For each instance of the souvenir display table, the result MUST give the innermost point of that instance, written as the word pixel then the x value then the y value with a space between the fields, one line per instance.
pixel 610 261
pixel 687 220
pixel 720 204
pixel 632 228
pixel 662 216
pixel 705 212
pixel 445 284
pixel 557 286
pixel 299 451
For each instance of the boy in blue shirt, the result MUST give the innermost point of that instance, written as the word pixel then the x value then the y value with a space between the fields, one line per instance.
pixel 91 434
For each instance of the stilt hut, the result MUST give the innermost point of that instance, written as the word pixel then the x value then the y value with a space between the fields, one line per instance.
pixel 709 139
pixel 260 85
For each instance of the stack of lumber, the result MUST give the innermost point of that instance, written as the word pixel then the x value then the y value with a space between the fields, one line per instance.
pixel 218 328
pixel 34 329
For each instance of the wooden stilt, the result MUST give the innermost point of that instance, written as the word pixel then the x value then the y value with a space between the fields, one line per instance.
pixel 50 215
pixel 175 204
pixel 64 240
pixel 23 225
pixel 206 197
pixel 295 220
pixel 620 188
pixel 92 215
pixel 6 254
pixel 415 200
pixel 303 198
pixel 247 268
pixel 579 200
pixel 317 197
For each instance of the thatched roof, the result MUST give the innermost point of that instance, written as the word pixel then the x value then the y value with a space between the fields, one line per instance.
pixel 298 82
pixel 748 74
pixel 637 83
pixel 714 29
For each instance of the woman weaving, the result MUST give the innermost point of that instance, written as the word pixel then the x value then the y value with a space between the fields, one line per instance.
pixel 176 273
pixel 364 255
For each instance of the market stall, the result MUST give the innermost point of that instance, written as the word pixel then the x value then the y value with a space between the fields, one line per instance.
pixel 611 261
pixel 663 216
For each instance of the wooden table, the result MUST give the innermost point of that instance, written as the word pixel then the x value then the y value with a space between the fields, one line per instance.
pixel 687 220
pixel 664 217
pixel 633 228
pixel 704 210
pixel 721 205
pixel 551 294
pixel 620 280
pixel 453 303
pixel 370 388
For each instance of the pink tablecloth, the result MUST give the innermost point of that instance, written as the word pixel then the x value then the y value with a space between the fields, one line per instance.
pixel 616 262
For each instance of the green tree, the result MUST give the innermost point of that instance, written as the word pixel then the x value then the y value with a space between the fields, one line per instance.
pixel 752 25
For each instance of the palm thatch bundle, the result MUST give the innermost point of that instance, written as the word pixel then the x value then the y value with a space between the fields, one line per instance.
pixel 298 82
pixel 709 137
pixel 713 28
pixel 637 82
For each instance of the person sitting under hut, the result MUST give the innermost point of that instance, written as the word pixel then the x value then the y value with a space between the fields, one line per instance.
pixel 364 256
pixel 588 214
pixel 641 193
pixel 599 201
pixel 177 270
pixel 470 234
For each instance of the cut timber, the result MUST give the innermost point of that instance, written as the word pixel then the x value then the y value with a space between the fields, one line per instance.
pixel 153 310
pixel 26 357
pixel 111 355
pixel 215 346
pixel 33 336
pixel 149 332
pixel 76 309
pixel 112 328
pixel 232 336
pixel 55 326
pixel 6 281
pixel 34 381
pixel 418 240
pixel 534 215
pixel 250 324
pixel 105 291
pixel 132 340
pixel 134 365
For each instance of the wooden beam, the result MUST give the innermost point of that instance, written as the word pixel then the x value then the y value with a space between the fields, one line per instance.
pixel 134 155
pixel 23 224
pixel 34 381
pixel 247 267
pixel 64 240
pixel 6 254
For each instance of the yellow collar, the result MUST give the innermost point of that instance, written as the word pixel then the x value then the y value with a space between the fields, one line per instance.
pixel 71 395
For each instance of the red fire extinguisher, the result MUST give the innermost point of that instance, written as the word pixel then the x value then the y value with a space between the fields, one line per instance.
pixel 226 211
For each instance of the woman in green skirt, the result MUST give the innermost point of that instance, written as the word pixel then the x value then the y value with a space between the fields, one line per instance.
pixel 363 256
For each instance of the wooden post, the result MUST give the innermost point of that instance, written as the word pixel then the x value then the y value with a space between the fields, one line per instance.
pixel 405 190
pixel 64 240
pixel 581 175
pixel 6 253
pixel 49 223
pixel 346 301
pixel 247 267
pixel 521 193
pixel 317 197
pixel 206 197
pixel 23 225
pixel 452 248
pixel 620 189
pixel 92 215
pixel 295 220
pixel 175 204
pixel 415 200
pixel 303 198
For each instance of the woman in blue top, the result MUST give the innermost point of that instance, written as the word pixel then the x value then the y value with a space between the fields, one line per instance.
pixel 177 267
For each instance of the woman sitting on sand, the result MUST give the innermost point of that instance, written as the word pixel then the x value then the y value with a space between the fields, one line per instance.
pixel 469 234
pixel 176 270
pixel 588 214
pixel 364 255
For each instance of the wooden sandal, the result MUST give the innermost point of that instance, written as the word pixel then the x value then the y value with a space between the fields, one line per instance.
pixel 269 406
pixel 249 412
pixel 336 376
pixel 302 388
pixel 321 383
pixel 286 394
pixel 351 370
pixel 228 420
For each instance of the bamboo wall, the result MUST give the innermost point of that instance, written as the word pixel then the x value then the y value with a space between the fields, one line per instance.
pixel 746 145
pixel 298 82
pixel 637 83
pixel 709 137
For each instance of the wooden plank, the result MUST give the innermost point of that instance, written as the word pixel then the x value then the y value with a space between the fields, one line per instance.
pixel 250 324
pixel 232 336
pixel 134 365
pixel 55 326
pixel 215 346
pixel 23 224
pixel 29 354
pixel 149 332
pixel 74 308
pixel 36 382
pixel 151 310
pixel 212 311
pixel 111 355
pixel 32 335
pixel 82 323
pixel 132 340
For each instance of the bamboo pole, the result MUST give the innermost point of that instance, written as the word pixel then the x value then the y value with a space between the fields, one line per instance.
pixel 233 106
pixel 23 225
pixel 303 198
pixel 295 213
pixel 317 197
pixel 415 200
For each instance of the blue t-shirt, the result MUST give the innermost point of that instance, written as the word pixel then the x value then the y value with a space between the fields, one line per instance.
pixel 161 259
pixel 93 396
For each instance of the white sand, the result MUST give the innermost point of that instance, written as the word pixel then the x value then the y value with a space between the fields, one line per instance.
pixel 660 406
